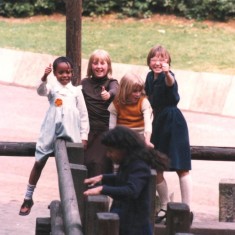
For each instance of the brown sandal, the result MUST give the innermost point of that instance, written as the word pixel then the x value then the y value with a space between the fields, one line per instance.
pixel 26 207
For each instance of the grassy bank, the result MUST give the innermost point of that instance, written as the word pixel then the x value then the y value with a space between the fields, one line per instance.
pixel 196 46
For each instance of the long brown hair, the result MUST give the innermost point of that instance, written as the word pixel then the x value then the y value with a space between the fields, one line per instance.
pixel 129 82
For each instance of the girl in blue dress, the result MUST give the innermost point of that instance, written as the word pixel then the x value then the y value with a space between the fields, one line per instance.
pixel 66 118
pixel 170 131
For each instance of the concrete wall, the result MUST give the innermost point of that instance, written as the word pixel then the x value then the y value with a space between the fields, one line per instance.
pixel 200 92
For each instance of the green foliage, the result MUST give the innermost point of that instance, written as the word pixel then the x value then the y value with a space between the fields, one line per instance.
pixel 24 8
pixel 201 9
pixel 196 9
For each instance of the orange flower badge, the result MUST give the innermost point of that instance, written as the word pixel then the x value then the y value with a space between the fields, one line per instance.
pixel 58 102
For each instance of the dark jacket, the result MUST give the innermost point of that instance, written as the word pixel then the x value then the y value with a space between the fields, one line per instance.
pixel 131 194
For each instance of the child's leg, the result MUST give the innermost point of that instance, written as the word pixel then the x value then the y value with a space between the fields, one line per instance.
pixel 185 186
pixel 33 179
pixel 186 189
pixel 162 190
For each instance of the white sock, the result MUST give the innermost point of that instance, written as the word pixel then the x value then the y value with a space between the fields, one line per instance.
pixel 162 190
pixel 29 191
pixel 186 189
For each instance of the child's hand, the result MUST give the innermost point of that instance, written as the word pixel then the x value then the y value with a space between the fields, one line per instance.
pixel 46 73
pixel 149 144
pixel 84 143
pixel 165 67
pixel 48 70
pixel 105 95
pixel 94 180
pixel 93 191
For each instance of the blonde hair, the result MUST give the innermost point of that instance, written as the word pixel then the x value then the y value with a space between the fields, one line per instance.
pixel 99 55
pixel 129 83
pixel 160 51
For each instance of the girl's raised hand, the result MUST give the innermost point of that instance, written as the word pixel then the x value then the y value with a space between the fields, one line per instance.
pixel 165 67
pixel 48 70
pixel 105 95
pixel 46 73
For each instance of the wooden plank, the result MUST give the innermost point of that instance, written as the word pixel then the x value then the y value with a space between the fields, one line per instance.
pixel 43 226
pixel 107 223
pixel 153 196
pixel 75 153
pixel 94 205
pixel 79 174
pixel 57 224
pixel 72 220
pixel 178 218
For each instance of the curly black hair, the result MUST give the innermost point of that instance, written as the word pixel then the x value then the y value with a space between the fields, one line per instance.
pixel 62 59
pixel 130 141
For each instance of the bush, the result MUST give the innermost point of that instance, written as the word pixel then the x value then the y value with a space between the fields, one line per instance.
pixel 197 9
pixel 24 8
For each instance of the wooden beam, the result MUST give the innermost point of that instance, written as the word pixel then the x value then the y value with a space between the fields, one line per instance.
pixel 208 153
pixel 57 224
pixel 72 220
pixel 213 153
pixel 17 148
pixel 73 36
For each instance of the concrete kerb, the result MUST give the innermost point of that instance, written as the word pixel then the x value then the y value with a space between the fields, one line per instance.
pixel 200 92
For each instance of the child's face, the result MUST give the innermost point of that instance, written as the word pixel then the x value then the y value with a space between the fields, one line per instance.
pixel 63 73
pixel 156 63
pixel 99 68
pixel 135 96
pixel 116 155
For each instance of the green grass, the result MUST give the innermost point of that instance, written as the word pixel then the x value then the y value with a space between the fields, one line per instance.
pixel 193 46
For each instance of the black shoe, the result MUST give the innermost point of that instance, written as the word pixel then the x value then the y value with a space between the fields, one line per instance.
pixel 160 218
pixel 26 207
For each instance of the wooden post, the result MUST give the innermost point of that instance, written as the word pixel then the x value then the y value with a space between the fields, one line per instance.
pixel 153 196
pixel 57 225
pixel 178 218
pixel 17 148
pixel 107 223
pixel 75 153
pixel 73 36
pixel 43 226
pixel 94 204
pixel 72 220
pixel 79 174
pixel 227 200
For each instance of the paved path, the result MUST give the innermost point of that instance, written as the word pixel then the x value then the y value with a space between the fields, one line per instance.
pixel 20 120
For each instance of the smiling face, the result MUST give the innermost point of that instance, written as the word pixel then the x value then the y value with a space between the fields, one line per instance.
pixel 99 68
pixel 158 56
pixel 63 73
pixel 156 63
pixel 135 95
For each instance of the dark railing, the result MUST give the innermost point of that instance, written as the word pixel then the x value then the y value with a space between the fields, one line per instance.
pixel 208 153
